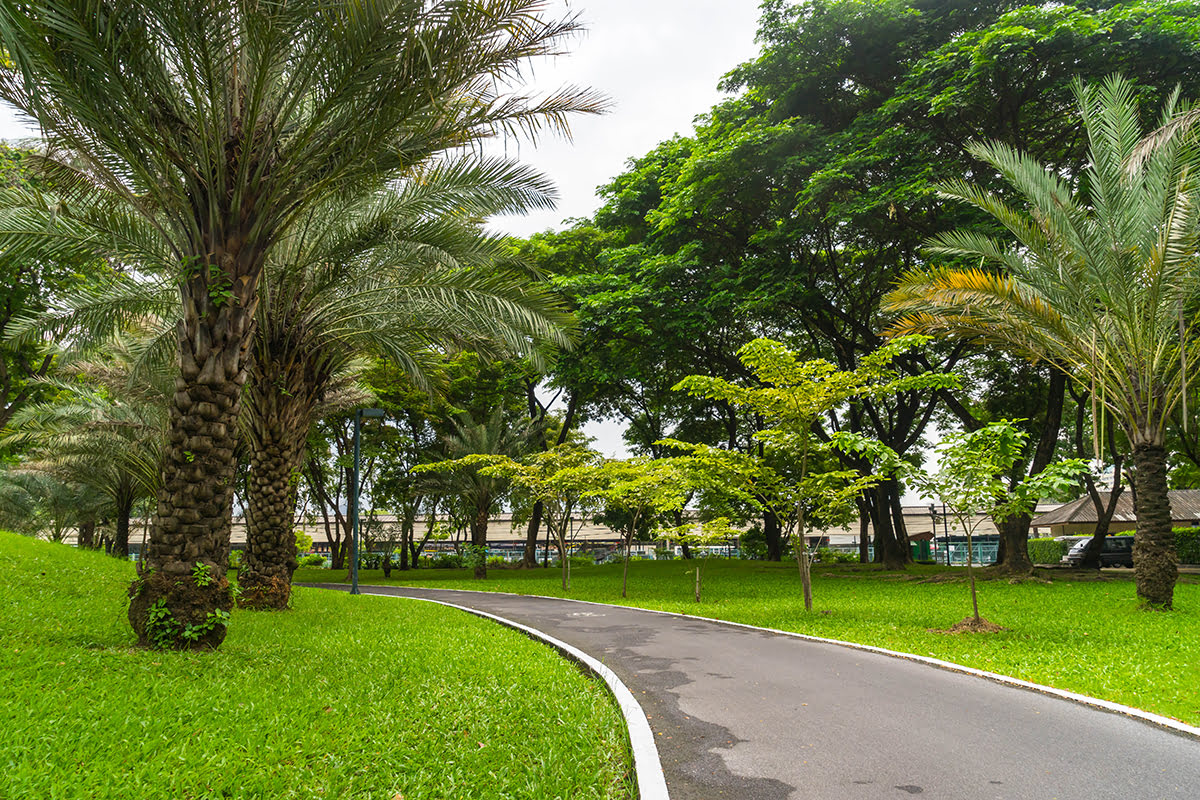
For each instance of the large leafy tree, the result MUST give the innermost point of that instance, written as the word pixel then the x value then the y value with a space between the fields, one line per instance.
pixel 899 89
pixel 224 124
pixel 796 204
pixel 1099 279
pixel 793 397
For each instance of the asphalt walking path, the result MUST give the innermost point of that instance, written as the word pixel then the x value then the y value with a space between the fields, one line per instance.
pixel 753 715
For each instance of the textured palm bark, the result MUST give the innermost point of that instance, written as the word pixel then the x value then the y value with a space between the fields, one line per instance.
pixel 1154 562
pixel 281 408
pixel 87 535
pixel 188 550
pixel 193 517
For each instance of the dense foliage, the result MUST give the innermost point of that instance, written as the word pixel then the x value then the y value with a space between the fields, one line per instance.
pixel 794 206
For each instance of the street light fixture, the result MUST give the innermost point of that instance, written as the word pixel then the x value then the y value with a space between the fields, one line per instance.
pixel 359 415
pixel 933 522
pixel 933 514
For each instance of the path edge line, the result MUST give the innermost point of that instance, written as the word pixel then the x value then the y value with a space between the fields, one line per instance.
pixel 647 768
pixel 1147 717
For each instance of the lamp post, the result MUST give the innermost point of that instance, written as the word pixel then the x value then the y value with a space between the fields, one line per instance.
pixel 933 523
pixel 369 413
pixel 933 516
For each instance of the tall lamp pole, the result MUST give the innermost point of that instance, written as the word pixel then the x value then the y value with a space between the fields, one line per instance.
pixel 933 521
pixel 369 413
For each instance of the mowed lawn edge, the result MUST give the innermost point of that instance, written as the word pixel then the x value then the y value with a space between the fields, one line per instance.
pixel 348 697
pixel 1081 635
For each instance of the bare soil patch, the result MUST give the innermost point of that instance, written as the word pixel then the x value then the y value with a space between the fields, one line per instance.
pixel 971 625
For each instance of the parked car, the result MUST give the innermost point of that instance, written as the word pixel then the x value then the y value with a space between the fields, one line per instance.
pixel 1117 552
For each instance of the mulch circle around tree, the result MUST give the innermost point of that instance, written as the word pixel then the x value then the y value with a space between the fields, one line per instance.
pixel 971 625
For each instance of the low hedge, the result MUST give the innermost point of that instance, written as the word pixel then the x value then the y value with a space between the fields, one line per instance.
pixel 1187 545
pixel 1046 551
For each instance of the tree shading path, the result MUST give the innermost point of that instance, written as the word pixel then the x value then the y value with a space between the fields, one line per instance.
pixel 749 714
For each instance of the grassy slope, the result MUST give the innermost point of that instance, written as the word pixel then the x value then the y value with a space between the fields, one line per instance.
pixel 342 697
pixel 1084 636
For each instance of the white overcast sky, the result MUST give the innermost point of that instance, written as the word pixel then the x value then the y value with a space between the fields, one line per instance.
pixel 657 61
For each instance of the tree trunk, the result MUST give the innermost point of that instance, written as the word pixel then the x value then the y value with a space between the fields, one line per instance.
pixel 773 535
pixel 188 551
pixel 1154 561
pixel 1013 554
pixel 280 406
pixel 888 550
pixel 479 525
pixel 120 545
pixel 87 535
pixel 529 557
pixel 899 526
pixel 1012 557
pixel 1104 515
pixel 864 531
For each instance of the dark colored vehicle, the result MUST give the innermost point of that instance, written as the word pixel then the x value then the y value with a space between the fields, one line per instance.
pixel 1118 552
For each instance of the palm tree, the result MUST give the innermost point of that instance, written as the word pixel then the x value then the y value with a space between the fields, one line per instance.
pixel 491 436
pixel 224 124
pixel 38 502
pixel 400 274
pixel 103 428
pixel 1101 283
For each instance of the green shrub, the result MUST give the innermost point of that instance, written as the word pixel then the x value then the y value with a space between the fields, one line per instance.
pixel 753 544
pixel 1187 545
pixel 1046 551
pixel 311 560
pixel 827 555
pixel 235 559
pixel 497 561
pixel 447 561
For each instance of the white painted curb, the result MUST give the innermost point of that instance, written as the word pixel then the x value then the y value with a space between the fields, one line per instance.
pixel 1166 723
pixel 652 784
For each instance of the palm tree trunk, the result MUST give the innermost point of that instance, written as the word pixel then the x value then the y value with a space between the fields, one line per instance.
pixel 188 551
pixel 1154 561
pixel 266 573
pixel 282 411
pixel 120 547
pixel 87 535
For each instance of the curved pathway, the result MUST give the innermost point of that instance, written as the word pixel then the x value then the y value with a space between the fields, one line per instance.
pixel 748 714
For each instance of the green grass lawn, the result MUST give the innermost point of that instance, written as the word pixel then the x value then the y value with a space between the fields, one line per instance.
pixel 344 697
pixel 1086 636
